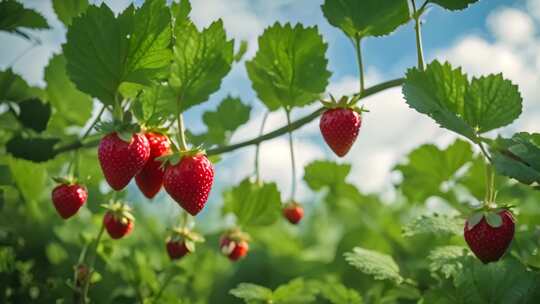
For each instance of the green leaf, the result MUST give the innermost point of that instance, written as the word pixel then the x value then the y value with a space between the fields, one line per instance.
pixel 296 291
pixel 155 105
pixel 251 292
pixel 474 219
pixel 518 157
pixel 201 59
pixel 454 5
pixel 241 51
pixel 66 10
pixel 223 122
pixel 56 253
pixel 358 19
pixel 439 92
pixel 491 102
pixel 71 105
pixel 32 188
pixel 435 225
pixel 337 293
pixel 290 67
pixel 34 114
pixel 137 48
pixel 469 109
pixel 33 149
pixel 428 167
pixel 380 266
pixel 253 204
pixel 14 16
pixel 13 87
pixel 447 260
pixel 319 174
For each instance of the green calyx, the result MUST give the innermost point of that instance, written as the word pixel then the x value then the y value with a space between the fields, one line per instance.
pixel 292 204
pixel 188 237
pixel 125 128
pixel 176 156
pixel 120 211
pixel 237 235
pixel 344 103
pixel 491 213
pixel 65 180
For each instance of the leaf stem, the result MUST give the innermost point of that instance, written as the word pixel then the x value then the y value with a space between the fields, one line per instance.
pixel 273 134
pixel 293 161
pixel 93 124
pixel 418 31
pixel 258 148
pixel 358 48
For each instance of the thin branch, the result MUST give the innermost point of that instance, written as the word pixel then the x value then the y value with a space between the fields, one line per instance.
pixel 418 31
pixel 293 161
pixel 258 148
pixel 93 141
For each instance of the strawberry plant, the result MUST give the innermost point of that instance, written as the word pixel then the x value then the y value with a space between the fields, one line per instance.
pixel 119 118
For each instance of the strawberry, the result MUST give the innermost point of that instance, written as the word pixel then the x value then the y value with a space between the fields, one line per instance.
pixel 118 220
pixel 234 245
pixel 121 160
pixel 489 234
pixel 340 123
pixel 182 242
pixel 293 212
pixel 68 198
pixel 189 181
pixel 150 178
pixel 340 128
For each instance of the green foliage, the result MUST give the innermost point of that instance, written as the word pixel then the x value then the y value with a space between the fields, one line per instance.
pixel 454 4
pixel 332 176
pixel 71 105
pixel 66 10
pixel 435 225
pixel 380 266
pixel 466 108
pixel 359 19
pixel 137 48
pixel 290 67
pixel 34 114
pixel 294 292
pixel 200 61
pixel 13 87
pixel 36 149
pixel 447 260
pixel 428 167
pixel 253 203
pixel 13 16
pixel 337 293
pixel 223 122
pixel 518 157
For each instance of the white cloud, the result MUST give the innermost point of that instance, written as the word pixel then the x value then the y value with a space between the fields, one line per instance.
pixel 510 25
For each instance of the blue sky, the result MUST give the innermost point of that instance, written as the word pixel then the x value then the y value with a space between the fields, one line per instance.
pixel 490 37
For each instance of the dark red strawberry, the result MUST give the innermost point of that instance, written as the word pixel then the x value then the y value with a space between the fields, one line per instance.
pixel 234 244
pixel 293 212
pixel 68 199
pixel 118 220
pixel 339 128
pixel 489 234
pixel 189 182
pixel 150 178
pixel 181 242
pixel 121 160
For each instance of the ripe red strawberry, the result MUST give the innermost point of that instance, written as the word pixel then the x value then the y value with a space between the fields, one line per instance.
pixel 181 242
pixel 118 220
pixel 68 199
pixel 489 235
pixel 120 160
pixel 339 128
pixel 293 212
pixel 150 178
pixel 234 244
pixel 189 182
pixel 176 250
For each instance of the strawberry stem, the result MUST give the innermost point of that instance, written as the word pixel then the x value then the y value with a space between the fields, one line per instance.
pixel 185 219
pixel 358 48
pixel 91 261
pixel 258 147
pixel 291 148
pixel 417 29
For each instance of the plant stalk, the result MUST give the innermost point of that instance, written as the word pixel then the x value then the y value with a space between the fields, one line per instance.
pixel 293 161
pixel 358 48
pixel 418 31
pixel 258 148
